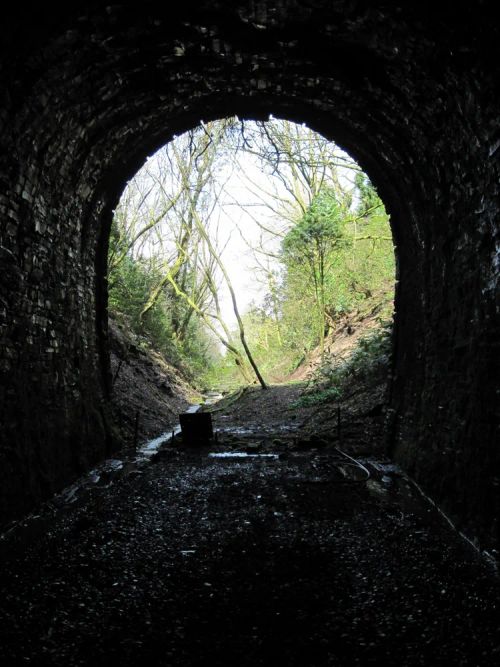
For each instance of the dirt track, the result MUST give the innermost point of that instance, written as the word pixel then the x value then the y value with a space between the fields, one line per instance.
pixel 293 560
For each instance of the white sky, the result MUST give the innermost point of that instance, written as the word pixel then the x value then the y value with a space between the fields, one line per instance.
pixel 235 220
pixel 242 231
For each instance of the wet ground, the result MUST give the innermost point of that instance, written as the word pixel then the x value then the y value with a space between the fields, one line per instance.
pixel 299 557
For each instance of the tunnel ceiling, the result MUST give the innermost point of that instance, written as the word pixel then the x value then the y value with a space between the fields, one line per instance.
pixel 410 90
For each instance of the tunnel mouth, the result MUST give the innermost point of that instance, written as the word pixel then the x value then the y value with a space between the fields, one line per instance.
pixel 311 230
pixel 90 92
pixel 253 108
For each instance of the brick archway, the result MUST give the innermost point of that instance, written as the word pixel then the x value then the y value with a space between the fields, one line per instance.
pixel 411 94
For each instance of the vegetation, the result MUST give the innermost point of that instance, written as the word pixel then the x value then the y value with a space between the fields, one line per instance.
pixel 367 365
pixel 311 228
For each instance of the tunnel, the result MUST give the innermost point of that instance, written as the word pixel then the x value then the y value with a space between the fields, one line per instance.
pixel 410 90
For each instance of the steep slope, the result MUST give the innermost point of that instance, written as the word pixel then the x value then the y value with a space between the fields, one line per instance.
pixel 343 340
pixel 148 392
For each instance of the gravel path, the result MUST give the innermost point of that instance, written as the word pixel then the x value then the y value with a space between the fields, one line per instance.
pixel 195 560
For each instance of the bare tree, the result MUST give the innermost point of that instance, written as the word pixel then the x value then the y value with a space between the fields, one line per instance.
pixel 166 218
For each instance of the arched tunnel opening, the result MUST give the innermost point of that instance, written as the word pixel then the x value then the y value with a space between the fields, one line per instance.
pixel 410 91
pixel 249 254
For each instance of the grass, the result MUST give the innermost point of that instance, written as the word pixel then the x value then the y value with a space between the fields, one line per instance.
pixel 317 397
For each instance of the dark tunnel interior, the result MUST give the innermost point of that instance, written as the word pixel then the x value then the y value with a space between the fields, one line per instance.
pixel 410 90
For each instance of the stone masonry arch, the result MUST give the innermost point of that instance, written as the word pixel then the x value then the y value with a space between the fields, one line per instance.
pixel 409 90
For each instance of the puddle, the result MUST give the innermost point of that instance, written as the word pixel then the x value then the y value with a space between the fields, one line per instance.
pixel 112 465
pixel 256 430
pixel 237 430
pixel 150 448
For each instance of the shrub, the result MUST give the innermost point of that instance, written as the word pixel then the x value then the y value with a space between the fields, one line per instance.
pixel 368 363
